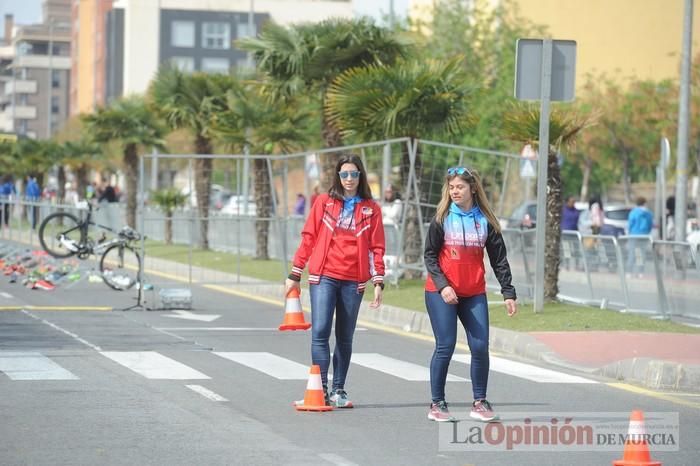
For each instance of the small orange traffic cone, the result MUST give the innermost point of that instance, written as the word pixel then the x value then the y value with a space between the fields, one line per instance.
pixel 314 398
pixel 636 451
pixel 293 315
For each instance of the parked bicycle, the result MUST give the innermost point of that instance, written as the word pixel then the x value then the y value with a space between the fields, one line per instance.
pixel 63 234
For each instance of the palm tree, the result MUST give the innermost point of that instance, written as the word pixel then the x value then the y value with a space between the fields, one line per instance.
pixel 168 200
pixel 306 58
pixel 130 122
pixel 266 126
pixel 78 156
pixel 190 101
pixel 522 125
pixel 414 99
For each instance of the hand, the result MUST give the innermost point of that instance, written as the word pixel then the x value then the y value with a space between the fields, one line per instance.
pixel 378 292
pixel 289 284
pixel 449 295
pixel 511 307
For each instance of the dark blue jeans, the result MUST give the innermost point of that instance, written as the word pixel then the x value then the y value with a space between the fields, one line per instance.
pixel 342 297
pixel 473 312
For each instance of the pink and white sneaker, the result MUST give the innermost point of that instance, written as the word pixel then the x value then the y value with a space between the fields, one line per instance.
pixel 482 411
pixel 439 412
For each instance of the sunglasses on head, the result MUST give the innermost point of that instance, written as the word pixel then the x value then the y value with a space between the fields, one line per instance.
pixel 458 171
pixel 353 174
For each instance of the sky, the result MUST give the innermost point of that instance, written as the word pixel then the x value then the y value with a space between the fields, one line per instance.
pixel 29 11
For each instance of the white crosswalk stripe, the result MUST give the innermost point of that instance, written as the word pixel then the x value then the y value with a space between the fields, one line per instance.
pixel 153 365
pixel 270 364
pixel 398 368
pixel 32 366
pixel 526 371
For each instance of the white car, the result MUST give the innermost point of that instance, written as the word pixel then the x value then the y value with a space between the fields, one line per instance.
pixel 237 206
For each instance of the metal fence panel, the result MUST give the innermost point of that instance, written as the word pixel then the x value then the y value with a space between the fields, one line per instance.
pixel 679 269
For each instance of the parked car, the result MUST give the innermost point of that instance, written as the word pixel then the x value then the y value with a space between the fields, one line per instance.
pixel 523 216
pixel 236 206
pixel 218 196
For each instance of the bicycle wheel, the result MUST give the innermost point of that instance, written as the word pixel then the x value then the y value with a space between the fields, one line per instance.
pixel 60 234
pixel 119 267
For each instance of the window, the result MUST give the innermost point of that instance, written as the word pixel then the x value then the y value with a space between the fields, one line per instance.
pixel 24 48
pixel 22 126
pixel 215 65
pixel 216 36
pixel 242 30
pixel 55 78
pixel 182 34
pixel 185 64
pixel 22 100
pixel 55 104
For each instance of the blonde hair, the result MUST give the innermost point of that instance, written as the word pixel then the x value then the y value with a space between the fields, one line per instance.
pixel 472 178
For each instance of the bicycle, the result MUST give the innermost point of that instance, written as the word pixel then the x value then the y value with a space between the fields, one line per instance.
pixel 63 235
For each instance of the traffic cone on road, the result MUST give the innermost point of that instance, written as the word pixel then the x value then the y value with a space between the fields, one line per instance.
pixel 636 452
pixel 293 315
pixel 314 398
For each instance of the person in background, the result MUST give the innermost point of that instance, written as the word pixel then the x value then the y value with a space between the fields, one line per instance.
pixel 7 190
pixel 343 243
pixel 392 206
pixel 33 195
pixel 315 192
pixel 595 205
pixel 639 224
pixel 464 225
pixel 300 205
pixel 107 194
pixel 670 218
pixel 569 215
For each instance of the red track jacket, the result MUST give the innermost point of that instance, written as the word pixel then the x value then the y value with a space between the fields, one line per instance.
pixel 318 232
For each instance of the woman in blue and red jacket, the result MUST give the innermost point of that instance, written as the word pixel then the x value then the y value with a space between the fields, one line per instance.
pixel 463 226
pixel 343 243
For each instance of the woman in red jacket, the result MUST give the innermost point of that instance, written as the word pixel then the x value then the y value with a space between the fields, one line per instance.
pixel 456 289
pixel 343 243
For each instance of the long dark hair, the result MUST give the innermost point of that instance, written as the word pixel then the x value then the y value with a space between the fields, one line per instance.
pixel 363 190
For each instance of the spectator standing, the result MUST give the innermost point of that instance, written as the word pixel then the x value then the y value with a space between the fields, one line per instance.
pixel 569 215
pixel 597 215
pixel 33 195
pixel 300 205
pixel 7 189
pixel 315 191
pixel 392 206
pixel 639 224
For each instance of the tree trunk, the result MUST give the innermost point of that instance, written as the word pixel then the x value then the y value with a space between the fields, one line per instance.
pixel 552 229
pixel 169 227
pixel 81 174
pixel 131 166
pixel 626 177
pixel 331 138
pixel 413 245
pixel 202 183
pixel 263 201
pixel 61 188
pixel 587 166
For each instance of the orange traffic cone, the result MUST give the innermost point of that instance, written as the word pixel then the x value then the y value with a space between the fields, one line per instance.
pixel 293 315
pixel 314 398
pixel 636 451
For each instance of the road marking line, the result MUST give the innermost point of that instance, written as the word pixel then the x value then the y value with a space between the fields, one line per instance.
pixel 32 366
pixel 268 363
pixel 653 394
pixel 153 365
pixel 526 371
pixel 233 329
pixel 336 459
pixel 6 295
pixel 206 393
pixel 55 308
pixel 62 330
pixel 398 368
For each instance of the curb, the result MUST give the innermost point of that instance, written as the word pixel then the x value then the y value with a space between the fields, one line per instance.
pixel 649 373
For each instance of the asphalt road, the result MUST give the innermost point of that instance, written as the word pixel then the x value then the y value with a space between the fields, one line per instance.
pixel 86 387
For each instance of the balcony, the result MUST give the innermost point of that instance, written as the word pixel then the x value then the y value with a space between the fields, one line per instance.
pixel 20 86
pixel 23 112
pixel 42 61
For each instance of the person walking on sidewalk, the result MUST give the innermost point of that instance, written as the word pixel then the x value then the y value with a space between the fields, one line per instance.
pixel 639 224
pixel 463 226
pixel 343 242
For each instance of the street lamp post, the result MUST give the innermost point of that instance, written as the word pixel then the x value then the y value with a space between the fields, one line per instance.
pixel 49 87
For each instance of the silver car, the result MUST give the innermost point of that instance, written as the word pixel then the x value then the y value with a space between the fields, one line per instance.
pixel 614 221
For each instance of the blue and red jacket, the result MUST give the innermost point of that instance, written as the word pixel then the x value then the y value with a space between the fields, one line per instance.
pixel 454 254
pixel 317 235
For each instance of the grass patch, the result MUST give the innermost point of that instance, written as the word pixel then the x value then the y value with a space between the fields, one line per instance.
pixel 410 295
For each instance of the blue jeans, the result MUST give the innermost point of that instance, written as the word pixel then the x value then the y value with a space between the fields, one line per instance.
pixel 342 297
pixel 473 312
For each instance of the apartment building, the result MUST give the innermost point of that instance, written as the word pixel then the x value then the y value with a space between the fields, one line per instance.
pixel 36 74
pixel 193 35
